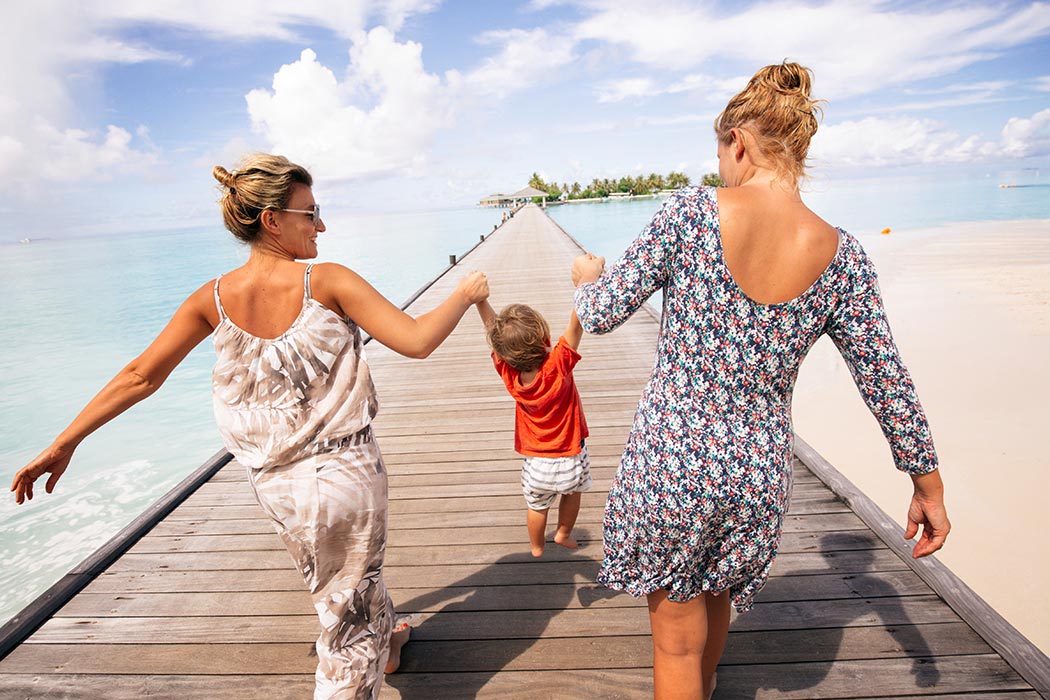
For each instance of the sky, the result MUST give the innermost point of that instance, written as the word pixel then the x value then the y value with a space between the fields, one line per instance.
pixel 113 112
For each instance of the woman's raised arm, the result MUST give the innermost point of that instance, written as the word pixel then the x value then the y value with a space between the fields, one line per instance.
pixel 140 378
pixel 411 336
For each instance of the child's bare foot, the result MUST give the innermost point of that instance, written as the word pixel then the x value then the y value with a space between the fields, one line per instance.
pixel 537 551
pixel 566 541
pixel 397 640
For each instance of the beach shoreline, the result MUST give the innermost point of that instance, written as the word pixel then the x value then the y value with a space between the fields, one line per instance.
pixel 969 305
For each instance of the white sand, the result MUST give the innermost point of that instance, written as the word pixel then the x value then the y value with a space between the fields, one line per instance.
pixel 969 305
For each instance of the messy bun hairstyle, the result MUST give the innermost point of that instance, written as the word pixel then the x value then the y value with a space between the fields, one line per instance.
pixel 775 108
pixel 262 181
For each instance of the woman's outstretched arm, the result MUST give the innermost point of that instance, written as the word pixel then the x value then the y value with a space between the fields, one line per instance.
pixel 139 379
pixel 350 294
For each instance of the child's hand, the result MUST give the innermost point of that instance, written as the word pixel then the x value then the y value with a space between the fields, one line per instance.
pixel 587 268
pixel 474 286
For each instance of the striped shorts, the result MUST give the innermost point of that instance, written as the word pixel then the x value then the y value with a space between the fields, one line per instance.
pixel 543 478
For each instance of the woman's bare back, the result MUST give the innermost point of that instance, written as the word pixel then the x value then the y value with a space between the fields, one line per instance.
pixel 264 300
pixel 774 246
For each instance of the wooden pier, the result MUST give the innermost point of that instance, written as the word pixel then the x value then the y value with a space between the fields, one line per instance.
pixel 208 605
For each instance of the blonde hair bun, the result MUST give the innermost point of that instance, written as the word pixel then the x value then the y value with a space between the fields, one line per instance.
pixel 776 109
pixel 224 176
pixel 262 181
pixel 786 78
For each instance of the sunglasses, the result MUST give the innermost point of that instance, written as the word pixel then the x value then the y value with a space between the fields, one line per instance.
pixel 315 213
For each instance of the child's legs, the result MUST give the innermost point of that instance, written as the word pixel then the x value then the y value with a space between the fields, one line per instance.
pixel 568 511
pixel 536 520
pixel 679 641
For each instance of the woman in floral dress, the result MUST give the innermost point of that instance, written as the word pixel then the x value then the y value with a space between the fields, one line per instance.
pixel 751 278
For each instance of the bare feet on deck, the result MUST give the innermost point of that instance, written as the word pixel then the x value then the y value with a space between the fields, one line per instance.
pixel 397 640
pixel 537 551
pixel 566 541
pixel 714 684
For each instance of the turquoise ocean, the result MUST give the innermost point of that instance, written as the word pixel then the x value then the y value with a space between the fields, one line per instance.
pixel 76 310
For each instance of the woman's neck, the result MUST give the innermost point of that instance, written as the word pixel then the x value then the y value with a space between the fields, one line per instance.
pixel 267 255
pixel 768 181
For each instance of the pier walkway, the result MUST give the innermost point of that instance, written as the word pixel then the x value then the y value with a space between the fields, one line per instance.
pixel 207 604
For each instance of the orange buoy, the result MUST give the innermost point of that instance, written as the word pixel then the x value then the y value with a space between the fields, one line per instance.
pixel 885 231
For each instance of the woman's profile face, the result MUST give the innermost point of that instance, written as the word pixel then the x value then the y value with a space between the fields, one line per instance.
pixel 298 232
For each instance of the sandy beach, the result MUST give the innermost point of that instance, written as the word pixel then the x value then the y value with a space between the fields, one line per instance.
pixel 970 309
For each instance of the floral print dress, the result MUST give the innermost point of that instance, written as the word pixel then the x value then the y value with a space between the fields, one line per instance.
pixel 699 499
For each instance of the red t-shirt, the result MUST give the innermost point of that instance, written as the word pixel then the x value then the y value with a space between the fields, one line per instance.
pixel 548 416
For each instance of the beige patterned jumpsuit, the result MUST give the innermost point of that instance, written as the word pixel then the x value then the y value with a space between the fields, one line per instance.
pixel 296 411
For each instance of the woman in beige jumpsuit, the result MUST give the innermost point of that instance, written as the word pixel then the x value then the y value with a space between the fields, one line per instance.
pixel 294 402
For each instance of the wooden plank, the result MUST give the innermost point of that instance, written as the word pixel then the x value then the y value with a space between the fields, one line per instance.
pixel 452 623
pixel 421 527
pixel 793 646
pixel 464 656
pixel 870 678
pixel 96 601
pixel 855 565
pixel 625 684
pixel 805 534
pixel 64 686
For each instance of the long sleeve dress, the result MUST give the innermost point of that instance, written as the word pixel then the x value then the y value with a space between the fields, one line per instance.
pixel 296 411
pixel 700 496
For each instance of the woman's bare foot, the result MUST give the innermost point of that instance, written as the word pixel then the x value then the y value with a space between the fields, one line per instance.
pixel 397 640
pixel 566 541
pixel 714 684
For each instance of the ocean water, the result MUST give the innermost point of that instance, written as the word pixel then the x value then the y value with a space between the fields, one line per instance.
pixel 75 311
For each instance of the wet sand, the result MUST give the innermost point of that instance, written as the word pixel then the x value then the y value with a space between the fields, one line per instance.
pixel 969 305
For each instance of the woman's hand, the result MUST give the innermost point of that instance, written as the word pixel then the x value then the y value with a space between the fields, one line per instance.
pixel 927 509
pixel 474 286
pixel 53 460
pixel 587 268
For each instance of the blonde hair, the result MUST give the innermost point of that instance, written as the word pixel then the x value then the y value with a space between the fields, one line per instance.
pixel 520 336
pixel 261 181
pixel 775 108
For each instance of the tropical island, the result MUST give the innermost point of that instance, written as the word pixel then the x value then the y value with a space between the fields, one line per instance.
pixel 599 189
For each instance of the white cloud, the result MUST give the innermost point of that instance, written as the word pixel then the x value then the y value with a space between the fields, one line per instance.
pixel 1022 138
pixel 48 45
pixel 904 141
pixel 899 141
pixel 379 120
pixel 274 19
pixel 524 59
pixel 987 86
pixel 617 90
pixel 1042 83
pixel 854 48
pixel 49 154
pixel 382 117
pixel 710 88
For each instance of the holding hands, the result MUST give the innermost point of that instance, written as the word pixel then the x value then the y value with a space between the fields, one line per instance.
pixel 587 268
pixel 474 286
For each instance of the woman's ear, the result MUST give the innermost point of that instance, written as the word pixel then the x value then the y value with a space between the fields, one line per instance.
pixel 737 145
pixel 268 220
